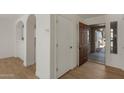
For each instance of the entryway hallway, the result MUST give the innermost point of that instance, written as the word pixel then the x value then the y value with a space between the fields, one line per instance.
pixel 92 70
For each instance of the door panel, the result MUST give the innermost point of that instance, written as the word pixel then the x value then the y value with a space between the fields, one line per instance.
pixel 64 45
pixel 83 43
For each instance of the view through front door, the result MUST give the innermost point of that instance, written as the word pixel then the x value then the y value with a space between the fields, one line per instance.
pixel 83 43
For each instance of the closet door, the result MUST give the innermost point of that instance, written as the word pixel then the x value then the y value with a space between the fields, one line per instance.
pixel 64 45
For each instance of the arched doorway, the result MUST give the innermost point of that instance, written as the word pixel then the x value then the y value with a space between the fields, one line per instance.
pixel 31 40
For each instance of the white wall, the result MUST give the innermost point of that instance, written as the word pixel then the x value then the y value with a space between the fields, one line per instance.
pixel 115 60
pixel 43 46
pixel 7 38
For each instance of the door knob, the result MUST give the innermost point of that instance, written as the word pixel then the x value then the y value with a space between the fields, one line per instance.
pixel 70 47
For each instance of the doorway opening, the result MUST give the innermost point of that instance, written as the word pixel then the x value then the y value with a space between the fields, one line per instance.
pixel 96 42
pixel 91 43
pixel 31 43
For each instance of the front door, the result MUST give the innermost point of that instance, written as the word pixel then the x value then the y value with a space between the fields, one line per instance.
pixel 83 43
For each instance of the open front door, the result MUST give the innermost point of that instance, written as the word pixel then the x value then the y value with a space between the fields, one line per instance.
pixel 83 43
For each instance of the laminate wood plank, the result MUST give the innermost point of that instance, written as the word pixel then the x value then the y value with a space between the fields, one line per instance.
pixel 12 68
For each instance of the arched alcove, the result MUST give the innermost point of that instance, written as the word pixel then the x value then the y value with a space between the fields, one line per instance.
pixel 20 40
pixel 31 40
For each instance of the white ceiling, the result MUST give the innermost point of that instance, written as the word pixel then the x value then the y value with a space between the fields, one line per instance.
pixel 85 16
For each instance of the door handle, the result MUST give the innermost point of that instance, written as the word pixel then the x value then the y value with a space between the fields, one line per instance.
pixel 70 47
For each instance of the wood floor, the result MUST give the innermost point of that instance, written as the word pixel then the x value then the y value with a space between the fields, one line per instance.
pixel 91 70
pixel 12 68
